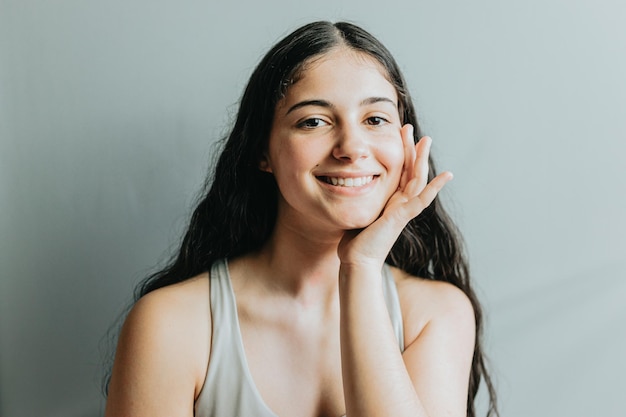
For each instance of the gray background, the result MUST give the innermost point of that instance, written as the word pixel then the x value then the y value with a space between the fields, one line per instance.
pixel 107 114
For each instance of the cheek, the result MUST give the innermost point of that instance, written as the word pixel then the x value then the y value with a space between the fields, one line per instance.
pixel 288 159
pixel 392 156
pixel 291 165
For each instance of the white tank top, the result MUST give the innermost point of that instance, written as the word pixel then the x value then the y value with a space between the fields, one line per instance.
pixel 229 390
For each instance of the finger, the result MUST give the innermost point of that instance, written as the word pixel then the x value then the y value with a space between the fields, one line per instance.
pixel 420 168
pixel 410 209
pixel 430 191
pixel 414 206
pixel 409 155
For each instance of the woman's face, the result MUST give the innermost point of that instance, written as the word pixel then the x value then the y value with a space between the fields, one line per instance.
pixel 335 147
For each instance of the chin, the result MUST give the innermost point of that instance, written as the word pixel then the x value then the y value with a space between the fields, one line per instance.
pixel 359 222
pixel 358 216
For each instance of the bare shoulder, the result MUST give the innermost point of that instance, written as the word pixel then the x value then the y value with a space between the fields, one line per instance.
pixel 439 340
pixel 165 337
pixel 176 317
pixel 175 302
pixel 426 302
pixel 180 309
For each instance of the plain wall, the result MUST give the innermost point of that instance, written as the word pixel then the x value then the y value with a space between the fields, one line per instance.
pixel 107 114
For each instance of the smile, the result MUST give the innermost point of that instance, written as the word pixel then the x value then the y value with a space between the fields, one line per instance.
pixel 349 182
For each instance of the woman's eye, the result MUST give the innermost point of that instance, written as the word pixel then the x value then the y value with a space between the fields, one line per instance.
pixel 376 121
pixel 312 123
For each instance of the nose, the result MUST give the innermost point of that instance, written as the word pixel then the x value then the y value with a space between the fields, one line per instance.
pixel 350 144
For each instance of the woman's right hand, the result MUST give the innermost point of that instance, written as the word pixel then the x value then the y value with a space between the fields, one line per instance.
pixel 370 246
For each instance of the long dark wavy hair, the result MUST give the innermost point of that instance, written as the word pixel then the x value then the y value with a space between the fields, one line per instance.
pixel 237 212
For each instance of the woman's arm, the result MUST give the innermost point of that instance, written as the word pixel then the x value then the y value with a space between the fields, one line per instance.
pixel 431 378
pixel 160 356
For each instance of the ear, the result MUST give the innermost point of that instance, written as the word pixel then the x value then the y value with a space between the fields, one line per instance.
pixel 264 163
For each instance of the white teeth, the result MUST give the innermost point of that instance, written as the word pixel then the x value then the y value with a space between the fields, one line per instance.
pixel 350 182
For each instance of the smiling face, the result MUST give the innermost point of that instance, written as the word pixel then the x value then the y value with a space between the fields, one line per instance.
pixel 335 147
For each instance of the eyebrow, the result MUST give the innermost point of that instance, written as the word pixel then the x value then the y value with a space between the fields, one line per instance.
pixel 327 104
pixel 374 100
pixel 318 103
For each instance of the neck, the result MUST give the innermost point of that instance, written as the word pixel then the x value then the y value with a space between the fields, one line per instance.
pixel 298 262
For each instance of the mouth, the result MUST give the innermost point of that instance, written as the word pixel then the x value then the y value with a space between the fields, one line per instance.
pixel 348 182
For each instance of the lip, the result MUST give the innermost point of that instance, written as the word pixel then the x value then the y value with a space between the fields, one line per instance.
pixel 347 174
pixel 324 181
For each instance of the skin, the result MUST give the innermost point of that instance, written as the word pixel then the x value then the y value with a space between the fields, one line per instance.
pixel 315 328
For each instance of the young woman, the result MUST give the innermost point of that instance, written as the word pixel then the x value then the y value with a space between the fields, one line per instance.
pixel 319 275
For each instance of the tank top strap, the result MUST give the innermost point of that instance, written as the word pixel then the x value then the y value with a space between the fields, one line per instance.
pixel 228 388
pixel 392 300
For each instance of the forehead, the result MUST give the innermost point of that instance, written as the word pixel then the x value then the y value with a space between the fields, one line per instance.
pixel 341 73
pixel 341 54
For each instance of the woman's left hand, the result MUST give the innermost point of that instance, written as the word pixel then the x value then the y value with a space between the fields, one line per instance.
pixel 370 246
